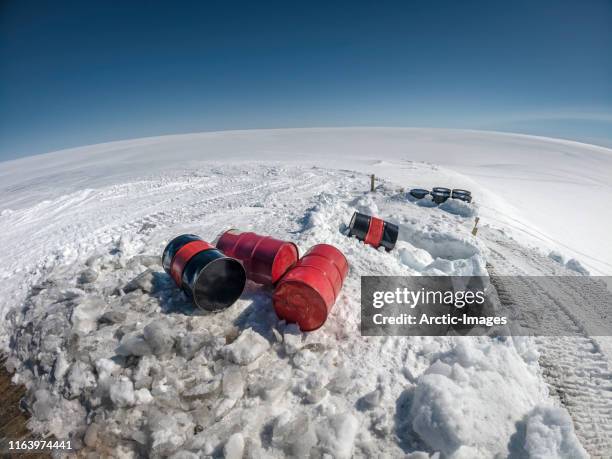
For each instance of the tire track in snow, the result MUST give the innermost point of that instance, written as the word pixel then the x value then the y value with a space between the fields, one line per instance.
pixel 577 368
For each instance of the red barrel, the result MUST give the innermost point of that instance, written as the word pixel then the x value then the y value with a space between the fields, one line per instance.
pixel 265 259
pixel 212 280
pixel 306 294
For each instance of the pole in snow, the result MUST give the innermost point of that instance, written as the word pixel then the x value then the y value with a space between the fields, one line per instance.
pixel 372 178
pixel 475 230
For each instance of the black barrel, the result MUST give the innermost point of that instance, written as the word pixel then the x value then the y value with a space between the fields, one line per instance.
pixel 373 231
pixel 441 189
pixel 460 191
pixel 439 197
pixel 210 279
pixel 213 281
pixel 462 195
pixel 359 226
pixel 419 193
pixel 390 234
pixel 174 246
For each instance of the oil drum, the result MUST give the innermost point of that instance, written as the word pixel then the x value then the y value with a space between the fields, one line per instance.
pixel 265 259
pixel 373 231
pixel 307 293
pixel 212 280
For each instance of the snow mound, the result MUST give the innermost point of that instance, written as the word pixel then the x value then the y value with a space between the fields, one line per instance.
pixel 575 265
pixel 546 431
pixel 458 400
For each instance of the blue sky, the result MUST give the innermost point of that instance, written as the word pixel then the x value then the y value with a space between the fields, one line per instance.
pixel 75 72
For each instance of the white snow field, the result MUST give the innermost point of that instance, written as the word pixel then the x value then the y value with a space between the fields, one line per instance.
pixel 115 358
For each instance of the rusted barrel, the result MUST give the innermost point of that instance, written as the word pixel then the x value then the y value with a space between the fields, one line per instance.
pixel 307 293
pixel 419 193
pixel 373 231
pixel 209 278
pixel 265 259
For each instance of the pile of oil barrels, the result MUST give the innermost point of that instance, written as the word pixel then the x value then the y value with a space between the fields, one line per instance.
pixel 214 276
pixel 441 194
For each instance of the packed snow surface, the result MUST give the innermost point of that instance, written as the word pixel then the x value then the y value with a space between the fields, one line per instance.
pixel 116 358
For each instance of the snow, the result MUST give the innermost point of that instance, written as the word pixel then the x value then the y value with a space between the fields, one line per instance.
pixel 547 432
pixel 115 357
pixel 234 448
pixel 247 348
pixel 122 392
pixel 575 265
pixel 458 398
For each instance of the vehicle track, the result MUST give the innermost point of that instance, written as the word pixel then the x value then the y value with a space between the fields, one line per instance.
pixel 574 360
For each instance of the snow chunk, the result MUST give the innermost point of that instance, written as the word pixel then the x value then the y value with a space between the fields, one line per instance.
pixel 234 448
pixel 575 265
pixel 122 392
pixel 292 339
pixel 85 315
pixel 159 337
pixel 249 346
pixel 112 317
pixel 457 400
pixel 547 431
pixel 189 345
pixel 60 367
pixel 458 207
pixel 144 282
pixel 134 344
pixel 87 276
pixel 337 435
pixel 413 257
pixel 169 431
pixel 80 378
pixel 106 368
pixel 233 383
pixel 142 396
pixel 294 436
pixel 556 256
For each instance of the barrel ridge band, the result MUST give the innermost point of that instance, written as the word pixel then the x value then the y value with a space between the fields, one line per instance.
pixel 183 255
pixel 375 232
pixel 302 281
pixel 337 251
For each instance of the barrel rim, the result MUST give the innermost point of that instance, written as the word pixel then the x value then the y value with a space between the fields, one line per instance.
pixel 321 306
pixel 225 259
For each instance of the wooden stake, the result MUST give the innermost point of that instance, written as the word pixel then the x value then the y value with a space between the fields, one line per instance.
pixel 475 230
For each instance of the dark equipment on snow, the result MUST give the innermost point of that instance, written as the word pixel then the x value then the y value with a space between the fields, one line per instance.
pixel 373 231
pixel 265 259
pixel 440 196
pixel 419 193
pixel 210 279
pixel 460 191
pixel 463 195
pixel 441 189
pixel 306 294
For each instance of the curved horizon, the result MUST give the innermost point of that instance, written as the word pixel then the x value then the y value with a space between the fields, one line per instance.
pixel 313 128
